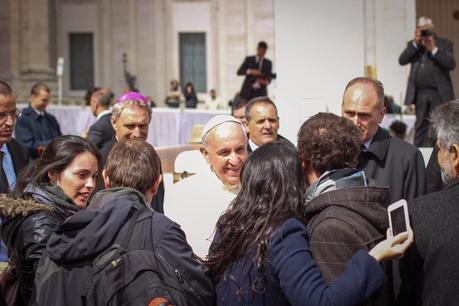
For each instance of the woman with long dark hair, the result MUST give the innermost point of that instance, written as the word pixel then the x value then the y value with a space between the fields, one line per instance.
pixel 63 180
pixel 261 255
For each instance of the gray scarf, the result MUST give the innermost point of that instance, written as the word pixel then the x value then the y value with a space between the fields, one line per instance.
pixel 334 180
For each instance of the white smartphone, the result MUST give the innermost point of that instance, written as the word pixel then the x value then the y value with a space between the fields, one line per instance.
pixel 399 220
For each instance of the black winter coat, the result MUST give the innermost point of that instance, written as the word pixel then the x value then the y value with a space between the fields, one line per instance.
pixel 396 164
pixel 27 234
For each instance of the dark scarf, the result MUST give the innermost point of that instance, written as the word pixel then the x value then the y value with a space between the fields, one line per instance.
pixel 52 195
pixel 109 195
pixel 334 180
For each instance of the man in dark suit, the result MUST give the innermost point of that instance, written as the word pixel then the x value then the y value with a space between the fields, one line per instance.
pixel 433 172
pixel 101 131
pixel 131 117
pixel 429 84
pixel 430 269
pixel 36 128
pixel 13 156
pixel 388 160
pixel 262 123
pixel 258 72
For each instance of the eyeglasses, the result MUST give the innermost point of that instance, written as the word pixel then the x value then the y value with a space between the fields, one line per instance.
pixel 13 114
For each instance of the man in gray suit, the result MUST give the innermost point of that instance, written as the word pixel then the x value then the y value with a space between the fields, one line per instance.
pixel 429 84
pixel 430 269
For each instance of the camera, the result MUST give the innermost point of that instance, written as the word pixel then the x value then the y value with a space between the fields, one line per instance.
pixel 426 33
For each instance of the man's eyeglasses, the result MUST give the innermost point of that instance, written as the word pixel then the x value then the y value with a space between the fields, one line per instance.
pixel 13 114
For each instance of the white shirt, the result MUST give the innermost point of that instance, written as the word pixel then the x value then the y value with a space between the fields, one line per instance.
pixel 38 112
pixel 196 203
pixel 368 143
pixel 102 113
pixel 213 104
pixel 252 145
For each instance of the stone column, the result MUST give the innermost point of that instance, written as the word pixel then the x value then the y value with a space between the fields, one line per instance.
pixel 34 40
pixel 160 34
pixel 5 45
pixel 108 65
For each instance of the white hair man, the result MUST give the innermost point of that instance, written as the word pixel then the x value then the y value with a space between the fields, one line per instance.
pixel 430 270
pixel 197 202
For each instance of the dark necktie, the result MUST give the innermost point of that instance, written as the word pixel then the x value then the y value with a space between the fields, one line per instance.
pixel 4 187
pixel 44 127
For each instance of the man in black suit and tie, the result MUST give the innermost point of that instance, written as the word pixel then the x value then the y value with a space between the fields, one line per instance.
pixel 429 84
pixel 102 130
pixel 13 156
pixel 258 72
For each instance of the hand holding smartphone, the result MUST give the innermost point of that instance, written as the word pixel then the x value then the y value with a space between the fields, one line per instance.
pixel 402 237
pixel 399 220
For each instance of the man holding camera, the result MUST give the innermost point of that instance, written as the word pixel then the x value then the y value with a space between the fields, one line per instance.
pixel 429 84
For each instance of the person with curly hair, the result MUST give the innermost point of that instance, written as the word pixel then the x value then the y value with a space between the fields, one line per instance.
pixel 345 214
pixel 261 255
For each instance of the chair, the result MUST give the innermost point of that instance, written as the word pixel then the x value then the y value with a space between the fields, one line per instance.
pixel 196 134
pixel 188 163
pixel 168 155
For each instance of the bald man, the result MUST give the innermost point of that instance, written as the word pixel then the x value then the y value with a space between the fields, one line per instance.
pixel 197 202
pixel 387 160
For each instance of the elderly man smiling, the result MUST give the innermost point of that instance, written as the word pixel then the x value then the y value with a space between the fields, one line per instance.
pixel 197 202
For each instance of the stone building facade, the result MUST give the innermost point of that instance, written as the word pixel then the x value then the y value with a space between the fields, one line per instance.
pixel 34 33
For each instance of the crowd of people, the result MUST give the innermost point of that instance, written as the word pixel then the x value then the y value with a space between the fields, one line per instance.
pixel 268 224
pixel 88 221
pixel 189 98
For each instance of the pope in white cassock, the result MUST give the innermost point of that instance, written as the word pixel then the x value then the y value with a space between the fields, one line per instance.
pixel 197 202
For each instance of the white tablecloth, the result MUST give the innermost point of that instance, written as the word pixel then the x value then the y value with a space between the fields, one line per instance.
pixel 169 127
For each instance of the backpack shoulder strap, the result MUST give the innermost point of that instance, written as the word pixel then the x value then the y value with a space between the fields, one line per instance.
pixel 121 243
pixel 124 237
pixel 159 225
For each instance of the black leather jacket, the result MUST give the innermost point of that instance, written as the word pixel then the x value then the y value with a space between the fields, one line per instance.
pixel 27 233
